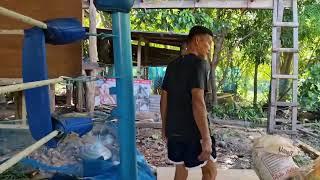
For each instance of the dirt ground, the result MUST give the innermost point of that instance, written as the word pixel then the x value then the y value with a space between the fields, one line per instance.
pixel 233 146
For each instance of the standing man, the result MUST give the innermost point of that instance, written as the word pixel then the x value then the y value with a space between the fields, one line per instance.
pixel 185 125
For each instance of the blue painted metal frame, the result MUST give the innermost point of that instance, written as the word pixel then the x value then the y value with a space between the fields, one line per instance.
pixel 125 98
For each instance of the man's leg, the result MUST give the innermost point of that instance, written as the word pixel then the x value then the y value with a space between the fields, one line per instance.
pixel 181 172
pixel 209 171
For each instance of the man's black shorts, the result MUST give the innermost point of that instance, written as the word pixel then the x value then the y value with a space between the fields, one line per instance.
pixel 187 152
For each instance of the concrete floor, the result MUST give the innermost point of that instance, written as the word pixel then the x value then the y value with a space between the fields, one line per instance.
pixel 167 173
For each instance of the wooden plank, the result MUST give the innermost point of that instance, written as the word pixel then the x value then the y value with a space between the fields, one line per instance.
pixel 295 10
pixel 62 59
pixel 291 132
pixel 295 64
pixel 308 149
pixel 155 125
pixel 289 104
pixel 230 122
pixel 290 50
pixel 276 33
pixel 308 132
pixel 285 24
pixel 284 76
pixel 233 4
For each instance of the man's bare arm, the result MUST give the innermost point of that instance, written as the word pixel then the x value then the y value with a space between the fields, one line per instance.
pixel 200 112
pixel 200 116
pixel 163 110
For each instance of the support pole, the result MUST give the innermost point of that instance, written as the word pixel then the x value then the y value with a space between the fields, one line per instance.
pixel 12 161
pixel 125 99
pixel 139 58
pixel 93 54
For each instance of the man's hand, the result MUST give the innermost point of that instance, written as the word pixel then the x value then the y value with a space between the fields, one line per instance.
pixel 206 145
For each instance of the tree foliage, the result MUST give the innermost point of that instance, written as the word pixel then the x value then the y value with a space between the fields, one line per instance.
pixel 246 43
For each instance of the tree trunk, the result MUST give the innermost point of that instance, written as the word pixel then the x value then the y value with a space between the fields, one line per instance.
pixel 215 61
pixel 255 84
pixel 214 87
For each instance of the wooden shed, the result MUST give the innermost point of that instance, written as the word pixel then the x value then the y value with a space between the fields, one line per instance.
pixel 156 48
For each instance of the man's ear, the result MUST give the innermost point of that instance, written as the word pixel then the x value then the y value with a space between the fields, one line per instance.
pixel 197 39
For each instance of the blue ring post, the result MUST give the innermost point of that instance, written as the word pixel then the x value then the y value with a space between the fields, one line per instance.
pixel 125 98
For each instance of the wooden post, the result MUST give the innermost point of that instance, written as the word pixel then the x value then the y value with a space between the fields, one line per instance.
pixel 18 102
pixel 69 94
pixel 23 111
pixel 139 58
pixel 52 93
pixel 146 51
pixel 93 53
pixel 146 56
pixel 79 96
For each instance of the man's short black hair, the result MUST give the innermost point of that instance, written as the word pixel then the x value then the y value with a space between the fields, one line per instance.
pixel 198 30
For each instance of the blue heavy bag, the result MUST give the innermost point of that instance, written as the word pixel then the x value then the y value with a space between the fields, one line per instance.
pixel 114 5
pixel 64 31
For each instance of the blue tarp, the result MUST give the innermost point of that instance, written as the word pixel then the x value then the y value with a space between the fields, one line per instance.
pixel 97 169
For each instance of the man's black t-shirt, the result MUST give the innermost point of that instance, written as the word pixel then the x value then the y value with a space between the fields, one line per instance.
pixel 182 75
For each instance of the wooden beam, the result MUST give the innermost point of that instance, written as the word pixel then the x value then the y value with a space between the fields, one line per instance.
pixel 93 53
pixel 232 4
pixel 308 149
pixel 80 97
pixel 69 94
pixel 154 125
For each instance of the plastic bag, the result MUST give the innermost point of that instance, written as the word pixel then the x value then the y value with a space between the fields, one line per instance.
pixel 272 158
pixel 99 158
